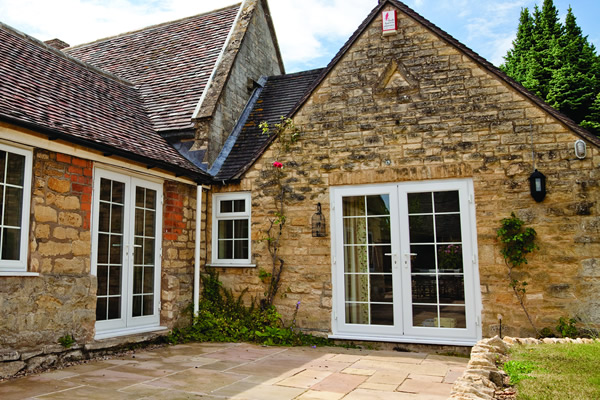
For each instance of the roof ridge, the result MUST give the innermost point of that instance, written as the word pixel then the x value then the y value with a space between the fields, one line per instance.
pixel 154 26
pixel 65 56
pixel 306 72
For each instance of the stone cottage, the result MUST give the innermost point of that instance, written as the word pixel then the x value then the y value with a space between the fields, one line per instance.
pixel 134 161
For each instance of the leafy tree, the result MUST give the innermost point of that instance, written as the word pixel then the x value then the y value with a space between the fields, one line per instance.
pixel 557 63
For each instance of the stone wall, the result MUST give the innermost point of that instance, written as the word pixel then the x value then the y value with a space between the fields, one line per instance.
pixel 39 310
pixel 179 235
pixel 410 107
pixel 257 56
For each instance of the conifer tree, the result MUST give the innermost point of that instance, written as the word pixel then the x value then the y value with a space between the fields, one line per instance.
pixel 557 63
pixel 592 120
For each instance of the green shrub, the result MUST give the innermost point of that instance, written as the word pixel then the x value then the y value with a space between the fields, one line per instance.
pixel 66 341
pixel 518 370
pixel 566 327
pixel 224 318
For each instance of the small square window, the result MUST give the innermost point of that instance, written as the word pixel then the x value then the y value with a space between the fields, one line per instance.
pixel 231 229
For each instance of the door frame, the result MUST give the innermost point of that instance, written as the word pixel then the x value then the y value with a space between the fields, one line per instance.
pixel 468 223
pixel 127 324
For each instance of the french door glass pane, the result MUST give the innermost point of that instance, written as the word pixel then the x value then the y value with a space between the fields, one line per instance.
pixel 11 243
pixel 2 165
pixel 143 255
pixel 382 314
pixel 378 205
pixel 15 169
pixel 355 259
pixel 437 279
pixel 110 250
pixel 13 205
pixel 367 261
pixel 357 313
pixel 12 174
pixel 380 259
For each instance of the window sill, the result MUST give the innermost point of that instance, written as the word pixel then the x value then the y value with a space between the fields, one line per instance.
pixel 17 273
pixel 230 265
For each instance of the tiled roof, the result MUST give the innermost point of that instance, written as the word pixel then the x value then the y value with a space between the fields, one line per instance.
pixel 277 98
pixel 171 63
pixel 43 89
pixel 453 42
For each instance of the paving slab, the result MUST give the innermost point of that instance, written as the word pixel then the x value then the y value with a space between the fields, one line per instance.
pixel 319 395
pixel 423 387
pixel 217 371
pixel 251 391
pixel 305 379
pixel 339 383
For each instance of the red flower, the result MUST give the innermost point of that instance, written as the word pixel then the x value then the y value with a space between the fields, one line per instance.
pixel 277 164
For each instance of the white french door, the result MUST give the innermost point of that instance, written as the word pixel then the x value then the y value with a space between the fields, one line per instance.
pixel 404 262
pixel 126 229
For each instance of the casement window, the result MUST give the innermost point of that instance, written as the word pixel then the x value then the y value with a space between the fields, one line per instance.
pixel 231 229
pixel 15 195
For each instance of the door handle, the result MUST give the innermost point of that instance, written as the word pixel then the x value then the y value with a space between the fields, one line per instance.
pixel 394 258
pixel 407 257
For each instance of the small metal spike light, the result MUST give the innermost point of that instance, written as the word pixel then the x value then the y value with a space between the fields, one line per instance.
pixel 318 223
pixel 537 185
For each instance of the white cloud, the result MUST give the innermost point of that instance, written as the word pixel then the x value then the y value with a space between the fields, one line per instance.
pixel 310 32
pixel 301 26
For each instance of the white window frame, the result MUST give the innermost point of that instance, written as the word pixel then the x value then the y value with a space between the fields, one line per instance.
pixel 400 332
pixel 19 267
pixel 217 216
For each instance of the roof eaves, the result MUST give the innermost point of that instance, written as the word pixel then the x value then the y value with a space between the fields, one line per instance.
pixel 67 57
pixel 197 176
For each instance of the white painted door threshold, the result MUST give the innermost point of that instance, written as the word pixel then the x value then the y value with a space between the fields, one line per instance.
pixel 124 332
pixel 405 339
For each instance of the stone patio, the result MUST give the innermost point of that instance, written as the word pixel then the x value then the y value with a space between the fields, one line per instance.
pixel 245 371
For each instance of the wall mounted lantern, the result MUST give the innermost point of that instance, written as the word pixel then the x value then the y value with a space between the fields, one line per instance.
pixel 319 228
pixel 537 185
pixel 580 149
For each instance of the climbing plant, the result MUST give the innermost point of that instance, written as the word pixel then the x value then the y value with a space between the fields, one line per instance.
pixel 517 242
pixel 285 134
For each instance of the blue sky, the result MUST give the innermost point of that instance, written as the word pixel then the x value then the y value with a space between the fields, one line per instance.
pixel 310 32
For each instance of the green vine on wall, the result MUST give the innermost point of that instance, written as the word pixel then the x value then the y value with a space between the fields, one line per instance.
pixel 286 134
pixel 517 243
